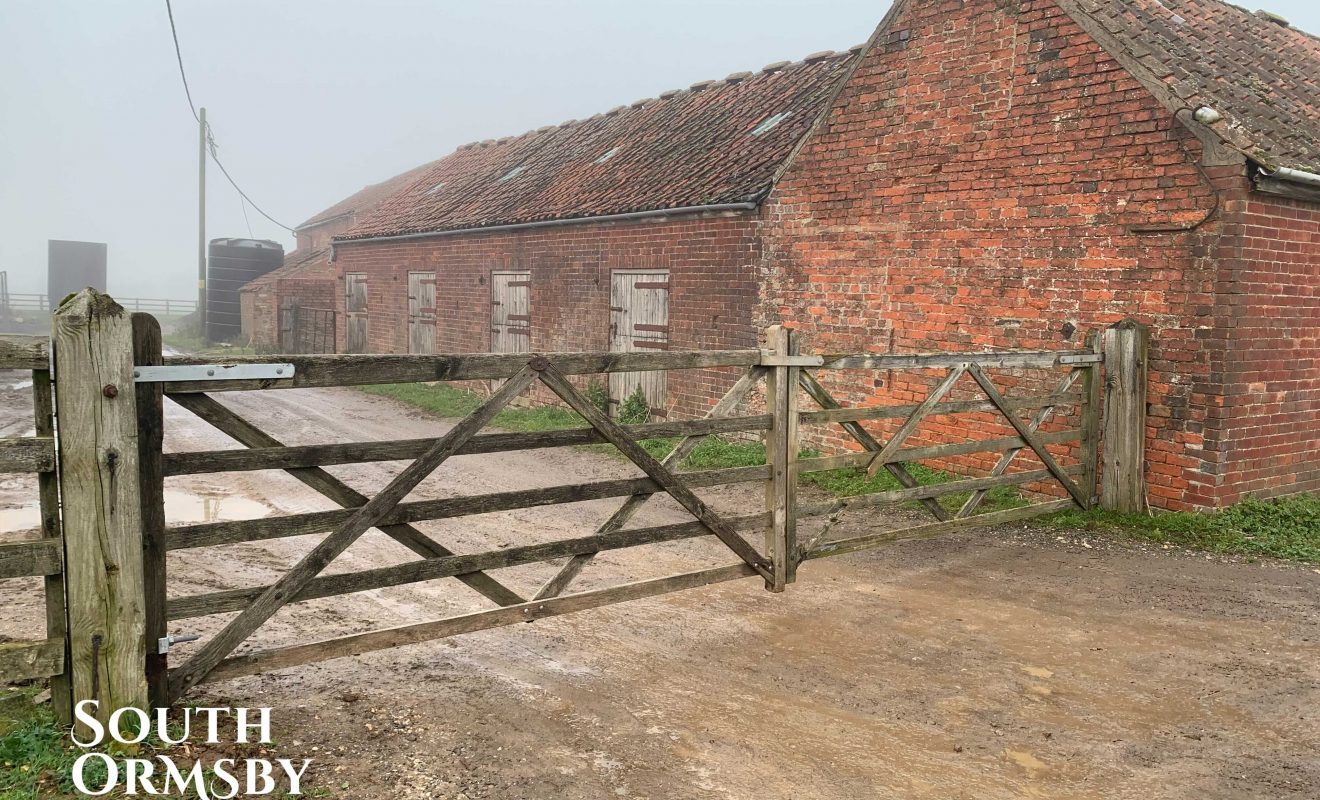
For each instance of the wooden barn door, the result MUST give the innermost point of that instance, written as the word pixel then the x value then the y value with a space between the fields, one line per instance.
pixel 355 304
pixel 639 320
pixel 510 314
pixel 421 312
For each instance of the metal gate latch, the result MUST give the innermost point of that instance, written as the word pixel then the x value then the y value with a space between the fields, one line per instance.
pixel 164 643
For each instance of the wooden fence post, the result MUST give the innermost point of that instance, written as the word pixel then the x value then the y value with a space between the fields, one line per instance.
pixel 147 351
pixel 1123 480
pixel 781 453
pixel 98 443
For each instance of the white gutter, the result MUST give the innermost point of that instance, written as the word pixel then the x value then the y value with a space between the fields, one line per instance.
pixel 551 223
pixel 1295 176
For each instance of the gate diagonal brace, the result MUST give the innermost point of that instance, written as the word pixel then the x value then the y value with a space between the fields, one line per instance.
pixel 656 471
pixel 556 585
pixel 368 516
pixel 1038 419
pixel 317 479
pixel 1029 436
pixel 825 400
pixel 909 426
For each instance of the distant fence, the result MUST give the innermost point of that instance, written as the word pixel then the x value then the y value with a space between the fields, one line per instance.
pixel 17 303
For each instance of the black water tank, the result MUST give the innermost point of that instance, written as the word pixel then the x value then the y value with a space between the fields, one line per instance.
pixel 72 267
pixel 230 264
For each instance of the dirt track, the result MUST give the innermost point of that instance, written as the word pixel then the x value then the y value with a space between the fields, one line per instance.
pixel 996 664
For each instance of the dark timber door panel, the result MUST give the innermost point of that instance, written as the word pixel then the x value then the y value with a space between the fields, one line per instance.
pixel 355 307
pixel 421 312
pixel 639 321
pixel 510 313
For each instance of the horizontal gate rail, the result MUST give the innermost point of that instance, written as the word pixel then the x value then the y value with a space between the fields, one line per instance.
pixel 26 559
pixel 24 352
pixel 450 566
pixel 212 461
pixel 932 529
pixel 32 454
pixel 361 370
pixel 284 657
pixel 208 534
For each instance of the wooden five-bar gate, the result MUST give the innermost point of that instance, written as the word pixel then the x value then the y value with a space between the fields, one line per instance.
pixel 109 368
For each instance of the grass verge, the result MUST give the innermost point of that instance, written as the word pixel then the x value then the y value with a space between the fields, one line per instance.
pixel 1286 528
pixel 189 342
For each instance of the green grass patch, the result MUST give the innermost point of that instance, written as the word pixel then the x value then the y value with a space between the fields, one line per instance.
pixel 1286 528
pixel 445 400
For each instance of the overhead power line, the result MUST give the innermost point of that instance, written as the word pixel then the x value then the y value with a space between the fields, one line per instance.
pixel 210 133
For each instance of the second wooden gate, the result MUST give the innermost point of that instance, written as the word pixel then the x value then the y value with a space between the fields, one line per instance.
pixel 421 312
pixel 639 321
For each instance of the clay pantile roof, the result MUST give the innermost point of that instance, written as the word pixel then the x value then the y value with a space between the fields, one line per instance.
pixel 1261 75
pixel 297 264
pixel 720 144
pixel 368 198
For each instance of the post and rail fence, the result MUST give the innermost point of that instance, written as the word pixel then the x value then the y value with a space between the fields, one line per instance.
pixel 109 368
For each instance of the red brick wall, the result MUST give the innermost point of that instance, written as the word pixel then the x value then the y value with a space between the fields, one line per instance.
pixel 975 187
pixel 712 262
pixel 1270 313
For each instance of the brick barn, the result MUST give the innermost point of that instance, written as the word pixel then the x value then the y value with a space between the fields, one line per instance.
pixel 981 174
pixel 1010 174
pixel 635 229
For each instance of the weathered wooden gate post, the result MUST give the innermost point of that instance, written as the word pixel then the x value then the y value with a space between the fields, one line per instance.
pixel 98 443
pixel 781 453
pixel 1123 479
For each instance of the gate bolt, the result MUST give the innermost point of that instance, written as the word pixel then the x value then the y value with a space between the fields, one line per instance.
pixel 110 390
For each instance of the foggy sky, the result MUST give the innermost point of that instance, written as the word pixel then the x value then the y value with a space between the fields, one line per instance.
pixel 312 100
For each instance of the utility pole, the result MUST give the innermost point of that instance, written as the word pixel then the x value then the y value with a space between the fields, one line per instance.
pixel 201 222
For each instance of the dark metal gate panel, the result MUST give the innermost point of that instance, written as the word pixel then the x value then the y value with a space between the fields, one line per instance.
pixel 355 306
pixel 421 312
pixel 639 321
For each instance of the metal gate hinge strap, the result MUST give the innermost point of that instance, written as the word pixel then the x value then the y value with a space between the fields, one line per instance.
pixel 1088 358
pixel 164 643
pixel 213 372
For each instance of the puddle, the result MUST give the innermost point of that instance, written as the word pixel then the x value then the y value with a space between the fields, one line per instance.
pixel 183 506
pixel 20 519
pixel 180 506
pixel 22 384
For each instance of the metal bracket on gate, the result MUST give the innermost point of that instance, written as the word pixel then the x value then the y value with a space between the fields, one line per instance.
pixel 1088 358
pixel 771 359
pixel 213 372
pixel 164 643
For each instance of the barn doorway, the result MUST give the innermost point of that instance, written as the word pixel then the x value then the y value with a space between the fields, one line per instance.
pixel 421 312
pixel 355 308
pixel 510 314
pixel 639 321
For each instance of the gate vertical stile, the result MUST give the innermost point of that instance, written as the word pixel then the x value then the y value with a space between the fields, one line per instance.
pixel 48 488
pixel 781 454
pixel 1089 452
pixel 147 351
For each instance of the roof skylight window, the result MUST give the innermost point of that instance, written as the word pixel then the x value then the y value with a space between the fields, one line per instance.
pixel 436 188
pixel 607 156
pixel 513 173
pixel 769 123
